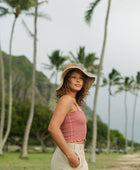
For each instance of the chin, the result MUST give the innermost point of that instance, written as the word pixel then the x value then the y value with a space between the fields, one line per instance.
pixel 78 89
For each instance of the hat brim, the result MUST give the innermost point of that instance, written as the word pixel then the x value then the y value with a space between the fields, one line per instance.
pixel 90 77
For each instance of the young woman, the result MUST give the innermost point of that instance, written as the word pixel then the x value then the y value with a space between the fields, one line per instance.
pixel 68 123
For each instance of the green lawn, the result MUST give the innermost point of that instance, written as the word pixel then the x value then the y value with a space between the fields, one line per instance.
pixel 41 161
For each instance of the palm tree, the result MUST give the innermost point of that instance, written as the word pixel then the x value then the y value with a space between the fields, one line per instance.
pixel 88 19
pixel 24 150
pixel 87 61
pixel 126 86
pixel 2 117
pixel 113 79
pixel 136 89
pixel 17 7
pixel 57 60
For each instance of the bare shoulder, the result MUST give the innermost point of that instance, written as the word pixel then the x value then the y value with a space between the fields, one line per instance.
pixel 64 105
pixel 66 100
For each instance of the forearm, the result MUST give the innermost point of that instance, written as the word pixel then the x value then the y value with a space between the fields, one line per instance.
pixel 60 141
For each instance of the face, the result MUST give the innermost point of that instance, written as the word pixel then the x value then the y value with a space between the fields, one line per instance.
pixel 76 81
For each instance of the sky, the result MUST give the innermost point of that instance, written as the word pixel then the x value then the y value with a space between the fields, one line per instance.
pixel 67 31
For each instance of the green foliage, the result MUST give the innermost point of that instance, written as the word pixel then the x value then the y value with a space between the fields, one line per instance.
pixel 138 78
pixel 89 12
pixel 101 131
pixel 86 60
pixel 114 78
pixel 137 82
pixel 57 61
pixel 40 123
pixel 42 117
pixel 17 7
pixel 127 85
pixel 3 11
pixel 24 5
pixel 117 139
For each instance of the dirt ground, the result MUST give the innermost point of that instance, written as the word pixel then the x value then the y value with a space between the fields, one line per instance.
pixel 128 162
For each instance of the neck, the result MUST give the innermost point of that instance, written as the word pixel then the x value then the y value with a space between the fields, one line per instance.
pixel 72 94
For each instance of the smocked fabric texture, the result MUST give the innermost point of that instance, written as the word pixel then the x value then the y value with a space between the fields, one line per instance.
pixel 74 126
pixel 60 162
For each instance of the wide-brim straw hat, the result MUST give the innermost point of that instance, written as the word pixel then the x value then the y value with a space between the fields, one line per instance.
pixel 69 67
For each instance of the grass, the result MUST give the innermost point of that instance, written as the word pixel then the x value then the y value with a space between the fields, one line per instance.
pixel 37 160
pixel 104 161
pixel 41 161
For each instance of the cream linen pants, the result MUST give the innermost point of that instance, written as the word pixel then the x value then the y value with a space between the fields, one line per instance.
pixel 60 162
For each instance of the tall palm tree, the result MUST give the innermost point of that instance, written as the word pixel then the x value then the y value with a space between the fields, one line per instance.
pixel 88 19
pixel 126 86
pixel 24 150
pixel 57 60
pixel 86 60
pixel 113 79
pixel 17 7
pixel 136 89
pixel 2 116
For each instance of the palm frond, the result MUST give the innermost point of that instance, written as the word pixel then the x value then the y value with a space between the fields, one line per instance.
pixel 138 78
pixel 52 75
pixel 89 12
pixel 47 66
pixel 24 5
pixel 4 11
pixel 75 59
pixel 42 2
pixel 104 82
pixel 89 60
pixel 41 15
pixel 81 55
pixel 120 89
pixel 27 29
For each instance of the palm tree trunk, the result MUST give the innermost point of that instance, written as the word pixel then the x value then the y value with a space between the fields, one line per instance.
pixel 10 85
pixel 24 150
pixel 133 123
pixel 2 118
pixel 125 103
pixel 94 136
pixel 108 133
pixel 56 74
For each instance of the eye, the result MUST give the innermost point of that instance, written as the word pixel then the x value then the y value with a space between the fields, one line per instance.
pixel 73 76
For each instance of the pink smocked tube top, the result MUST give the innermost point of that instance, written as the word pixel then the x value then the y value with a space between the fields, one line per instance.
pixel 74 127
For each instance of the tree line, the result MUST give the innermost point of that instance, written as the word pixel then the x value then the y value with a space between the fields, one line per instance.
pixel 40 136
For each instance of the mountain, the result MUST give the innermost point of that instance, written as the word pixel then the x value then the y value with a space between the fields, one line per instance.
pixel 22 78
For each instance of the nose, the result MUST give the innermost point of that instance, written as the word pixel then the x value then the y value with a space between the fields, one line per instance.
pixel 78 79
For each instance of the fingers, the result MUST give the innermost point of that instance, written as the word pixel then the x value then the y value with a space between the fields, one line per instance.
pixel 78 158
pixel 74 160
pixel 75 163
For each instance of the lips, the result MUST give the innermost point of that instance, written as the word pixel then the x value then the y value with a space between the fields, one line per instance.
pixel 78 85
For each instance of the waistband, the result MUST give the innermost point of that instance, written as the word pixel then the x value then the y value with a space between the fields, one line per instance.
pixel 76 146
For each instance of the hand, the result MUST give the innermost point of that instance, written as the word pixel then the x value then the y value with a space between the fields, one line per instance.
pixel 74 160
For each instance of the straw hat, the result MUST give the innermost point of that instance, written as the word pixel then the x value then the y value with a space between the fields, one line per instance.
pixel 72 66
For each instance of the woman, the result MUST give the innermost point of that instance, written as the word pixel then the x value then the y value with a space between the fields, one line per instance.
pixel 68 123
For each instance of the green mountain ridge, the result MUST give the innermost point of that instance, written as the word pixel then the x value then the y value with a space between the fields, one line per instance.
pixel 22 81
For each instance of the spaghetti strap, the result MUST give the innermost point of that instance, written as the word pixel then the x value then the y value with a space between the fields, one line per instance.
pixel 76 105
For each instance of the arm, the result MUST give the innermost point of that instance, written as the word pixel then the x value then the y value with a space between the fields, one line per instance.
pixel 63 107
